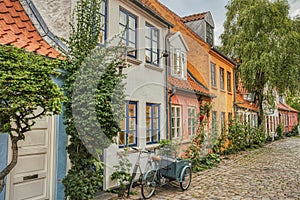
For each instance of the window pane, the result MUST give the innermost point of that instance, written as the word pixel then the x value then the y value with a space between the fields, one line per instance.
pixel 148 136
pixel 131 110
pixel 131 137
pixel 155 111
pixel 155 123
pixel 132 124
pixel 122 138
pixel 147 56
pixel 155 35
pixel 155 136
pixel 154 58
pixel 147 32
pixel 148 123
pixel 155 46
pixel 123 18
pixel 173 122
pixel 131 23
pixel 132 36
pixel 178 122
pixel 148 44
pixel 178 111
pixel 123 125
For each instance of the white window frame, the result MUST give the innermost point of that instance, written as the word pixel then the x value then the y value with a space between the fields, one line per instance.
pixel 192 125
pixel 181 61
pixel 176 129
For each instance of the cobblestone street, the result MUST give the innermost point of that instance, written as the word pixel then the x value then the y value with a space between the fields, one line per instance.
pixel 271 172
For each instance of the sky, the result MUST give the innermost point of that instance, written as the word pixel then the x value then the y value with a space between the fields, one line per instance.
pixel 217 9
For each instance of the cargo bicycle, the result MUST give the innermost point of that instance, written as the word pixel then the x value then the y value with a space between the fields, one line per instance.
pixel 167 168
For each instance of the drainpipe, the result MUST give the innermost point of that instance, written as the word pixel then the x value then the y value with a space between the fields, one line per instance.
pixel 234 89
pixel 170 104
pixel 165 54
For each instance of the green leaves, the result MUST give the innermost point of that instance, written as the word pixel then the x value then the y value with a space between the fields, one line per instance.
pixel 26 85
pixel 95 97
pixel 265 41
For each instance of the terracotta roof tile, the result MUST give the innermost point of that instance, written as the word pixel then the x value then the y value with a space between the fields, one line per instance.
pixel 196 74
pixel 13 12
pixel 17 29
pixel 7 18
pixel 245 104
pixel 8 4
pixel 193 17
pixel 286 107
pixel 3 8
pixel 188 84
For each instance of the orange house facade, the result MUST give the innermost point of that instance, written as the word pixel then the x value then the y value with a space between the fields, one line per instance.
pixel 209 66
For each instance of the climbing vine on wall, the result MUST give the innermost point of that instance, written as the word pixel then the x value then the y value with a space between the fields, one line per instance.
pixel 94 106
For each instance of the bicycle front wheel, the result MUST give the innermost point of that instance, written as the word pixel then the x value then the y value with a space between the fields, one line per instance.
pixel 186 178
pixel 148 184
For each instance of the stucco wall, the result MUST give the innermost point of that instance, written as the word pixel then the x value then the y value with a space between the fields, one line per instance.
pixel 56 14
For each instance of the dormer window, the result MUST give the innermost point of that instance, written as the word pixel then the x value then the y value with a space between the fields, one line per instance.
pixel 178 61
pixel 178 65
pixel 209 34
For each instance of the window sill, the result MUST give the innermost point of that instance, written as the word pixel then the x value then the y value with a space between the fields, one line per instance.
pixel 222 90
pixel 153 67
pixel 213 87
pixel 133 60
pixel 229 93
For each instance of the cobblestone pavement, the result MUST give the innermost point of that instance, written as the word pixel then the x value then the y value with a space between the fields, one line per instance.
pixel 271 172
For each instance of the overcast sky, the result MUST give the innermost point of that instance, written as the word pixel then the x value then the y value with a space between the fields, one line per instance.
pixel 217 9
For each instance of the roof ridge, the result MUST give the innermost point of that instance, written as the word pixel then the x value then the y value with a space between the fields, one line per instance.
pixel 194 17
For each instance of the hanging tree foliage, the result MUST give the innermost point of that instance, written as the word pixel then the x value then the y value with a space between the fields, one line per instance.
pixel 27 93
pixel 262 37
pixel 94 105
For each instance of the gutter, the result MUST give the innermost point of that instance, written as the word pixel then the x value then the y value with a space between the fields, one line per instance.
pixel 234 89
pixel 152 12
pixel 170 104
pixel 45 28
pixel 223 55
pixel 167 81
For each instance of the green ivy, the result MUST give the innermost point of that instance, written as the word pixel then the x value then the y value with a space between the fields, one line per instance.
pixel 93 108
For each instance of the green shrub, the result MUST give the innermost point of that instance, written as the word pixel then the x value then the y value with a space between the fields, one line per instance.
pixel 279 132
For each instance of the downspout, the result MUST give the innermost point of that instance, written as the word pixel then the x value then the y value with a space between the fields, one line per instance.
pixel 166 81
pixel 234 90
pixel 173 91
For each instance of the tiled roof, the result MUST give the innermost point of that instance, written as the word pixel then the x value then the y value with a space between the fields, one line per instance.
pixel 17 29
pixel 193 17
pixel 196 74
pixel 189 84
pixel 244 103
pixel 286 107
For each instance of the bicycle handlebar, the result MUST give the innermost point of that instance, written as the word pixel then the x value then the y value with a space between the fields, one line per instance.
pixel 143 151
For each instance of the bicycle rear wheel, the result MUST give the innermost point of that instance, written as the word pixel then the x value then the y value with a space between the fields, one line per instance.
pixel 148 184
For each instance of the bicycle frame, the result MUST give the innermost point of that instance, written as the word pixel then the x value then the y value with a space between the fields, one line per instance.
pixel 137 167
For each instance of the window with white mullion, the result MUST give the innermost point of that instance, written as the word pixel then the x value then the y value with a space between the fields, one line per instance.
pixel 176 121
pixel 192 123
pixel 178 64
